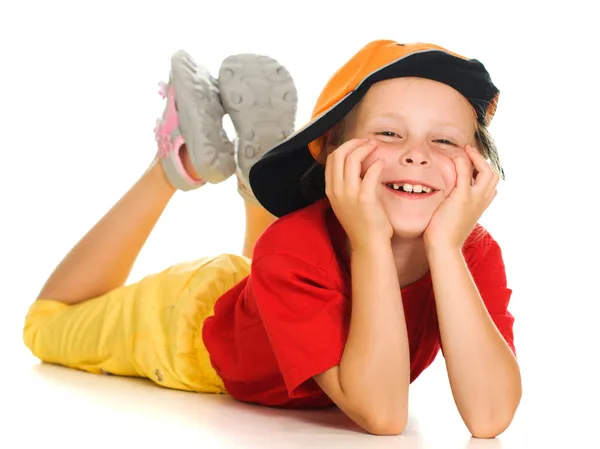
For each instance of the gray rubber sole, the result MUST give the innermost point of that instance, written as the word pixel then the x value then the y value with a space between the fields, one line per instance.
pixel 260 96
pixel 201 119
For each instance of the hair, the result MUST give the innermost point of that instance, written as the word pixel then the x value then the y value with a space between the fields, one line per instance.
pixel 337 135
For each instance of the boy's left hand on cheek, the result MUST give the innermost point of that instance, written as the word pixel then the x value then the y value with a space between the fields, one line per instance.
pixel 457 215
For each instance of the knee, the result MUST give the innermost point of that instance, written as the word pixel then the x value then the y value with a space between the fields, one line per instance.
pixel 38 317
pixel 31 327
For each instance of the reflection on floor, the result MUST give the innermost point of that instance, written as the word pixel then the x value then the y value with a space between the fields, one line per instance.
pixel 67 408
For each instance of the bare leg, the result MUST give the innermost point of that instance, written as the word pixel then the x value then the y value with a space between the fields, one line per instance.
pixel 257 220
pixel 102 260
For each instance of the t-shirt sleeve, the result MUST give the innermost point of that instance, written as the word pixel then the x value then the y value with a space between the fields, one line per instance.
pixel 489 275
pixel 303 312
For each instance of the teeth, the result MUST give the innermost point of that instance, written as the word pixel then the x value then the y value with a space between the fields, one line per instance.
pixel 411 188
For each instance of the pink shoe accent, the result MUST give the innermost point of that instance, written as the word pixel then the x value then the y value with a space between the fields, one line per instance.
pixel 163 89
pixel 176 147
pixel 164 129
pixel 165 126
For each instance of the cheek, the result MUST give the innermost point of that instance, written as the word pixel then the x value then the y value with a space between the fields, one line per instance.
pixel 447 171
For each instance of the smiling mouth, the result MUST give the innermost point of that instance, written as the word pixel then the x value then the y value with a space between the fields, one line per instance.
pixel 411 189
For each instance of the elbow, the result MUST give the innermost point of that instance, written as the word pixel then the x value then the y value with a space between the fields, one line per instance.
pixel 385 424
pixel 486 432
pixel 383 418
pixel 492 421
pixel 489 428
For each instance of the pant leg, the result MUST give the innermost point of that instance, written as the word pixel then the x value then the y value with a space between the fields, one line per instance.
pixel 90 336
pixel 120 332
pixel 148 329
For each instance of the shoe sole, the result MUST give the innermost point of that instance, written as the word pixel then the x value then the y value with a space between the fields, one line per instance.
pixel 201 119
pixel 260 96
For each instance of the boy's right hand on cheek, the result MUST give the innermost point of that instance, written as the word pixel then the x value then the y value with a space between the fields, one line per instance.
pixel 355 200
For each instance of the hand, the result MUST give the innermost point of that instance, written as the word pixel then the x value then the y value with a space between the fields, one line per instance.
pixel 356 201
pixel 457 216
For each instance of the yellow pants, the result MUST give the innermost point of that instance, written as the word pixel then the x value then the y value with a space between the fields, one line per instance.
pixel 152 328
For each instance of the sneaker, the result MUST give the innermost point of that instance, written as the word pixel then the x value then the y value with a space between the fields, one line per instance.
pixel 260 96
pixel 193 116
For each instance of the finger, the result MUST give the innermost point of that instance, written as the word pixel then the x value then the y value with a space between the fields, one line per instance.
pixel 494 184
pixel 353 166
pixel 492 197
pixel 463 172
pixel 347 147
pixel 485 174
pixel 337 161
pixel 372 178
pixel 487 186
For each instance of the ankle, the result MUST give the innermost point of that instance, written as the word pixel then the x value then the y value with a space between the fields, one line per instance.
pixel 157 176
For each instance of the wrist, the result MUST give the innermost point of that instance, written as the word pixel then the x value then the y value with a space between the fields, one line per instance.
pixel 439 249
pixel 374 245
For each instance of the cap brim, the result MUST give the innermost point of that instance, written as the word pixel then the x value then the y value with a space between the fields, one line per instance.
pixel 281 180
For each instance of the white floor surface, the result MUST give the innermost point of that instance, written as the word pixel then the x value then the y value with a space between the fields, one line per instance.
pixel 52 406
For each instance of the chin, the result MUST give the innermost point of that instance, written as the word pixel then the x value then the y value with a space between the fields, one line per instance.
pixel 409 219
pixel 408 224
pixel 409 229
pixel 407 233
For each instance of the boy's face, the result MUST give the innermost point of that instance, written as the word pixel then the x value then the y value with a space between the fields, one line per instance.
pixel 418 124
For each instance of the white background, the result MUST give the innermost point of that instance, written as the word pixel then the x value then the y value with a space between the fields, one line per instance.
pixel 78 102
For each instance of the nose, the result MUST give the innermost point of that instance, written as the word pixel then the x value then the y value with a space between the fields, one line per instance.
pixel 416 155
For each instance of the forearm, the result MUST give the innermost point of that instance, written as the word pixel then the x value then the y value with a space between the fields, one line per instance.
pixel 375 367
pixel 483 372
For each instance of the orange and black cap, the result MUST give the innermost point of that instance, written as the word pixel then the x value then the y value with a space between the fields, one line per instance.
pixel 281 180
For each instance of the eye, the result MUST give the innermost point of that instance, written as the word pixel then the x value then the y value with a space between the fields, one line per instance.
pixel 387 134
pixel 445 142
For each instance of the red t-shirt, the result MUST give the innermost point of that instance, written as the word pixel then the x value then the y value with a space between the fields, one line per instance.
pixel 289 319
